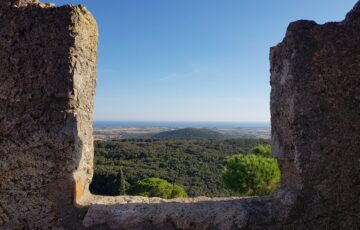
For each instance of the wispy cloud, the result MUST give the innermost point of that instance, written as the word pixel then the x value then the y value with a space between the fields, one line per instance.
pixel 195 72
pixel 168 77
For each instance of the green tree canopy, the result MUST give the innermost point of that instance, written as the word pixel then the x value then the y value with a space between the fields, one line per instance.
pixel 122 182
pixel 251 174
pixel 178 192
pixel 263 150
pixel 156 187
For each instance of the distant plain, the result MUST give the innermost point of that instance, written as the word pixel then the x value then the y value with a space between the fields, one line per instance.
pixel 148 130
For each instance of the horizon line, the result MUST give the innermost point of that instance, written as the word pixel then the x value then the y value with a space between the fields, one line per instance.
pixel 181 121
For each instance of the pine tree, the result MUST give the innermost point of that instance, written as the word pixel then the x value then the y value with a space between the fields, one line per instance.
pixel 121 181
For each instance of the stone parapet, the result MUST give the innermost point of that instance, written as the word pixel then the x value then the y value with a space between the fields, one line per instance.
pixel 47 85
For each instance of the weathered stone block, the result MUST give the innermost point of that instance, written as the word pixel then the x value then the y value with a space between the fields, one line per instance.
pixel 47 84
pixel 315 109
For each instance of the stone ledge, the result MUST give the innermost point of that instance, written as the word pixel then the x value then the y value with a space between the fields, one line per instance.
pixel 132 212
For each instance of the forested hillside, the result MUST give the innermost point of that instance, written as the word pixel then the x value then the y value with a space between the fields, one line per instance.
pixel 194 164
pixel 191 133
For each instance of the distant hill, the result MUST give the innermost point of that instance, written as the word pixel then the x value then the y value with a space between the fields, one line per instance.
pixel 191 133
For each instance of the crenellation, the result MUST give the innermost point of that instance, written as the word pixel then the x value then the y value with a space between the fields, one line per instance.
pixel 48 61
pixel 45 124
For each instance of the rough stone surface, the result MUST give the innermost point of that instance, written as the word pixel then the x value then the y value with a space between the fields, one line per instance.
pixel 315 109
pixel 47 82
pixel 47 60
pixel 18 3
pixel 192 213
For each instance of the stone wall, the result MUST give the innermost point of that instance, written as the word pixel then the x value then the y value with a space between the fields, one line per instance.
pixel 315 110
pixel 48 59
pixel 47 84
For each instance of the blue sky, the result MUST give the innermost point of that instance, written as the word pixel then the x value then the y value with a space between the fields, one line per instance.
pixel 192 60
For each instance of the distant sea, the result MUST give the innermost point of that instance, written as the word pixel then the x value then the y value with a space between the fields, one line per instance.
pixel 181 124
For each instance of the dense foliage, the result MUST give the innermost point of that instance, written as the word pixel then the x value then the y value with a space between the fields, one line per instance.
pixel 251 174
pixel 156 187
pixel 263 150
pixel 122 183
pixel 194 164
